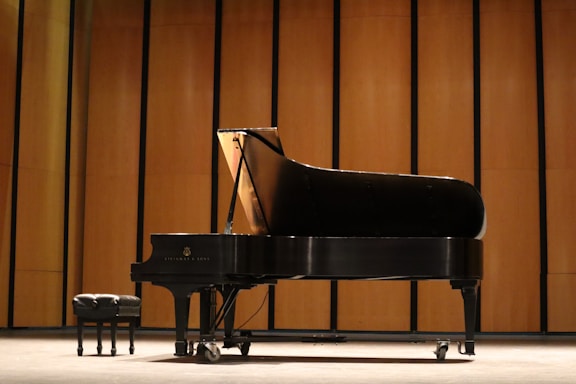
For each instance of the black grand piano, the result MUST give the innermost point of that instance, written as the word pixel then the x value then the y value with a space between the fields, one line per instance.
pixel 316 223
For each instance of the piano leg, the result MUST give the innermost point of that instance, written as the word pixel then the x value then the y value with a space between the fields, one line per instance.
pixel 181 295
pixel 469 294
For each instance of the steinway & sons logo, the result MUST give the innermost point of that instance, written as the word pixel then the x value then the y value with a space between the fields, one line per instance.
pixel 186 256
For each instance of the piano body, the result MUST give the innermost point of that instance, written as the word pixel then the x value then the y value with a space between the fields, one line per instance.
pixel 316 223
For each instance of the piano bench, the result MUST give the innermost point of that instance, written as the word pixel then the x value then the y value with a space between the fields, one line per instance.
pixel 106 308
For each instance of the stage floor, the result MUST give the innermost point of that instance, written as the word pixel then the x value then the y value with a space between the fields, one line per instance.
pixel 49 356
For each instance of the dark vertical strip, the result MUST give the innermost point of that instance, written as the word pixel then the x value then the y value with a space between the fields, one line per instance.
pixel 66 231
pixel 274 123
pixel 206 311
pixel 271 307
pixel 275 47
pixel 143 126
pixel 15 163
pixel 216 115
pixel 477 126
pixel 476 65
pixel 541 168
pixel 414 139
pixel 336 88
pixel 414 90
pixel 335 140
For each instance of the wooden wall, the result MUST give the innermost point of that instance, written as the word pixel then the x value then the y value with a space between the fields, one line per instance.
pixel 463 88
pixel 179 135
pixel 559 91
pixel 41 166
pixel 245 101
pixel 375 135
pixel 113 137
pixel 78 123
pixel 305 122
pixel 8 59
pixel 445 127
pixel 510 166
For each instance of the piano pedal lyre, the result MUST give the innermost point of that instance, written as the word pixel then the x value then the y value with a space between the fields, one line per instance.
pixel 468 348
pixel 442 348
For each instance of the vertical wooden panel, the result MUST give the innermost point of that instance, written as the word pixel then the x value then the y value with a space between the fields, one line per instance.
pixel 8 52
pixel 559 40
pixel 112 146
pixel 445 128
pixel 246 63
pixel 510 289
pixel 39 227
pixel 305 126
pixel 375 135
pixel 79 116
pixel 305 80
pixel 179 134
pixel 245 101
pixel 375 85
pixel 561 299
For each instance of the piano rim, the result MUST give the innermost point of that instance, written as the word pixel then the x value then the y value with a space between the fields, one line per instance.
pixel 217 277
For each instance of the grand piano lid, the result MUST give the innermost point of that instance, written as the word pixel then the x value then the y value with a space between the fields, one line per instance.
pixel 281 196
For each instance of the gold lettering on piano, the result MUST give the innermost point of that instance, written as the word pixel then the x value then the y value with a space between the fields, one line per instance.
pixel 187 259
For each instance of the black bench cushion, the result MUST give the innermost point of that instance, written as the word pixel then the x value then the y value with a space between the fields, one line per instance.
pixel 103 306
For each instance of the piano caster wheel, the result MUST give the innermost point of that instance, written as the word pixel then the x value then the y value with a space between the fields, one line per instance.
pixel 212 352
pixel 244 348
pixel 441 349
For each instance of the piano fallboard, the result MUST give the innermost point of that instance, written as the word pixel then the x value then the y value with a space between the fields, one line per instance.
pixel 227 258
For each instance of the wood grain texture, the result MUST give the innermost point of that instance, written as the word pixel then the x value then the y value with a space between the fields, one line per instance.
pixel 445 128
pixel 78 134
pixel 375 136
pixel 179 133
pixel 509 167
pixel 561 311
pixel 245 101
pixel 40 214
pixel 113 146
pixel 559 31
pixel 375 86
pixel 305 126
pixel 373 305
pixel 374 133
pixel 38 307
pixel 8 52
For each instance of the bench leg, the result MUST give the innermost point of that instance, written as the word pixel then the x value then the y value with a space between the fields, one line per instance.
pixel 113 336
pixel 99 337
pixel 131 333
pixel 80 331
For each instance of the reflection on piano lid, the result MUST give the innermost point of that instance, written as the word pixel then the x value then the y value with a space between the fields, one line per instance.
pixel 283 197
